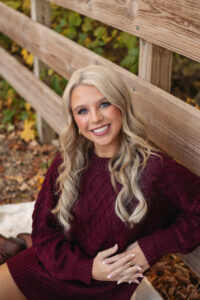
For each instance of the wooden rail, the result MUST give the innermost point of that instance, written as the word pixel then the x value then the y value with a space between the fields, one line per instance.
pixel 171 124
pixel 41 97
pixel 174 25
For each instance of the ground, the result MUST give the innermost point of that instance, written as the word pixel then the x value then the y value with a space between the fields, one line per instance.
pixel 22 168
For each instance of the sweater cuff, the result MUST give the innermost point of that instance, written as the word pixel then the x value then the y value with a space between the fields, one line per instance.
pixel 83 272
pixel 154 246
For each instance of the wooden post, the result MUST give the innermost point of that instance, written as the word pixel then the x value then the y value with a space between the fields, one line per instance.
pixel 155 64
pixel 41 12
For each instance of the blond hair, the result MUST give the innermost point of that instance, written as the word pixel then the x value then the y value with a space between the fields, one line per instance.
pixel 124 167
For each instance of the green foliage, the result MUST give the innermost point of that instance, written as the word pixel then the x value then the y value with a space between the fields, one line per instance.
pixel 13 4
pixel 5 41
pixel 117 46
pixel 51 78
pixel 12 107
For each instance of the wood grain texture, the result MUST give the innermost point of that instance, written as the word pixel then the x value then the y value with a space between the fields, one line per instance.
pixel 193 260
pixel 40 96
pixel 41 12
pixel 171 124
pixel 155 65
pixel 174 25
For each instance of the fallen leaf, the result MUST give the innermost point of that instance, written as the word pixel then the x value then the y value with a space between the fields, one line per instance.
pixel 24 187
pixel 18 178
pixel 28 133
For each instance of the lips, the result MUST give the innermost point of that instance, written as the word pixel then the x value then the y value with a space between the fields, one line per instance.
pixel 101 130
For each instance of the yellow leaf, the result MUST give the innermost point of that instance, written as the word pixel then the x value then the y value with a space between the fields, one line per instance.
pixel 9 101
pixel 24 53
pixel 27 106
pixel 28 133
pixel 50 71
pixel 40 180
pixel 26 5
pixel 11 93
pixel 30 59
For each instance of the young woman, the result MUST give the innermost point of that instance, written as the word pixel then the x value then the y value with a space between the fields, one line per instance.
pixel 110 206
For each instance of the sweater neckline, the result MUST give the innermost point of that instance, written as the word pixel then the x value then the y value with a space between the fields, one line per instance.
pixel 97 161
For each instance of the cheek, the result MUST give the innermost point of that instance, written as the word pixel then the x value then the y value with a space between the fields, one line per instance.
pixel 80 121
pixel 115 113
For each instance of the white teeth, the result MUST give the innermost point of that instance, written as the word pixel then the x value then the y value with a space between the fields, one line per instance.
pixel 100 129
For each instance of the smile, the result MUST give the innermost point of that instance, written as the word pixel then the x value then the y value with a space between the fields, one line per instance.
pixel 101 130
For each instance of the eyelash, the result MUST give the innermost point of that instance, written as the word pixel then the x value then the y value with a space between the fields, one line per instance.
pixel 103 104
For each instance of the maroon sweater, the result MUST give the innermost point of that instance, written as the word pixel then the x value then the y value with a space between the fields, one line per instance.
pixel 59 265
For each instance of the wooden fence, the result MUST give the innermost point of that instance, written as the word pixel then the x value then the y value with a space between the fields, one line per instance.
pixel 163 27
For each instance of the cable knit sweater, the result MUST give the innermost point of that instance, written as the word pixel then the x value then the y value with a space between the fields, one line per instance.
pixel 59 265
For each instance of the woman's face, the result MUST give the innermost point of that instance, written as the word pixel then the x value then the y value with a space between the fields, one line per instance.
pixel 97 119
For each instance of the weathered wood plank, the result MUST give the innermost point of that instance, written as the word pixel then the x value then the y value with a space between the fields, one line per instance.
pixel 146 291
pixel 193 260
pixel 41 12
pixel 171 124
pixel 40 96
pixel 174 25
pixel 155 64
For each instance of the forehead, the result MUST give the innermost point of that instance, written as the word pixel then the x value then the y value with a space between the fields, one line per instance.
pixel 85 94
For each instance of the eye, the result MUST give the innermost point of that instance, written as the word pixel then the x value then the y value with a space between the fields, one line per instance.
pixel 105 104
pixel 82 111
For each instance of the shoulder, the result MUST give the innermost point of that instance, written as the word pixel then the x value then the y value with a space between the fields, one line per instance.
pixel 57 160
pixel 156 163
pixel 163 167
pixel 52 171
pixel 160 161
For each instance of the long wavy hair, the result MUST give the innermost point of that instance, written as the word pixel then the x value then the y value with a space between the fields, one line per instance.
pixel 124 167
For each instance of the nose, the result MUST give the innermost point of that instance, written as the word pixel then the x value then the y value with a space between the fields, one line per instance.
pixel 96 116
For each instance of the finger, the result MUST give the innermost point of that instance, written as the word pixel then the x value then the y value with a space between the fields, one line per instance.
pixel 130 279
pixel 125 270
pixel 136 279
pixel 120 265
pixel 117 257
pixel 106 253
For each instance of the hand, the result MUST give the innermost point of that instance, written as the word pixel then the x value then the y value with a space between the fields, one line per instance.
pixel 139 258
pixel 106 268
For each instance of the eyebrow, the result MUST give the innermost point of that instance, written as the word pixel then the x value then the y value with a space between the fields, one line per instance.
pixel 83 105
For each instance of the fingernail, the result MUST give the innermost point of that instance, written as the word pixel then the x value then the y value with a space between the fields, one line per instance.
pixel 115 246
pixel 109 276
pixel 139 269
pixel 130 282
pixel 104 262
pixel 132 255
pixel 119 281
pixel 140 276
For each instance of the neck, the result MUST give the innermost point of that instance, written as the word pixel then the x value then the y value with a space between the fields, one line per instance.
pixel 105 151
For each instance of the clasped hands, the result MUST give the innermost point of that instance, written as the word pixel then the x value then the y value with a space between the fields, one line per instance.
pixel 127 266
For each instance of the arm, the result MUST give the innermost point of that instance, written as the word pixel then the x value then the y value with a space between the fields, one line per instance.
pixel 62 259
pixel 182 188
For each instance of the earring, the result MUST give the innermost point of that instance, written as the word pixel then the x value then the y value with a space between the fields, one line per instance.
pixel 79 132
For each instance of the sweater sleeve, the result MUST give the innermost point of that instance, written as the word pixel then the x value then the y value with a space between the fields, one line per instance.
pixel 182 188
pixel 61 258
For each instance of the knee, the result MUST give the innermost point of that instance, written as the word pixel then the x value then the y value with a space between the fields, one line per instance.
pixel 9 290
